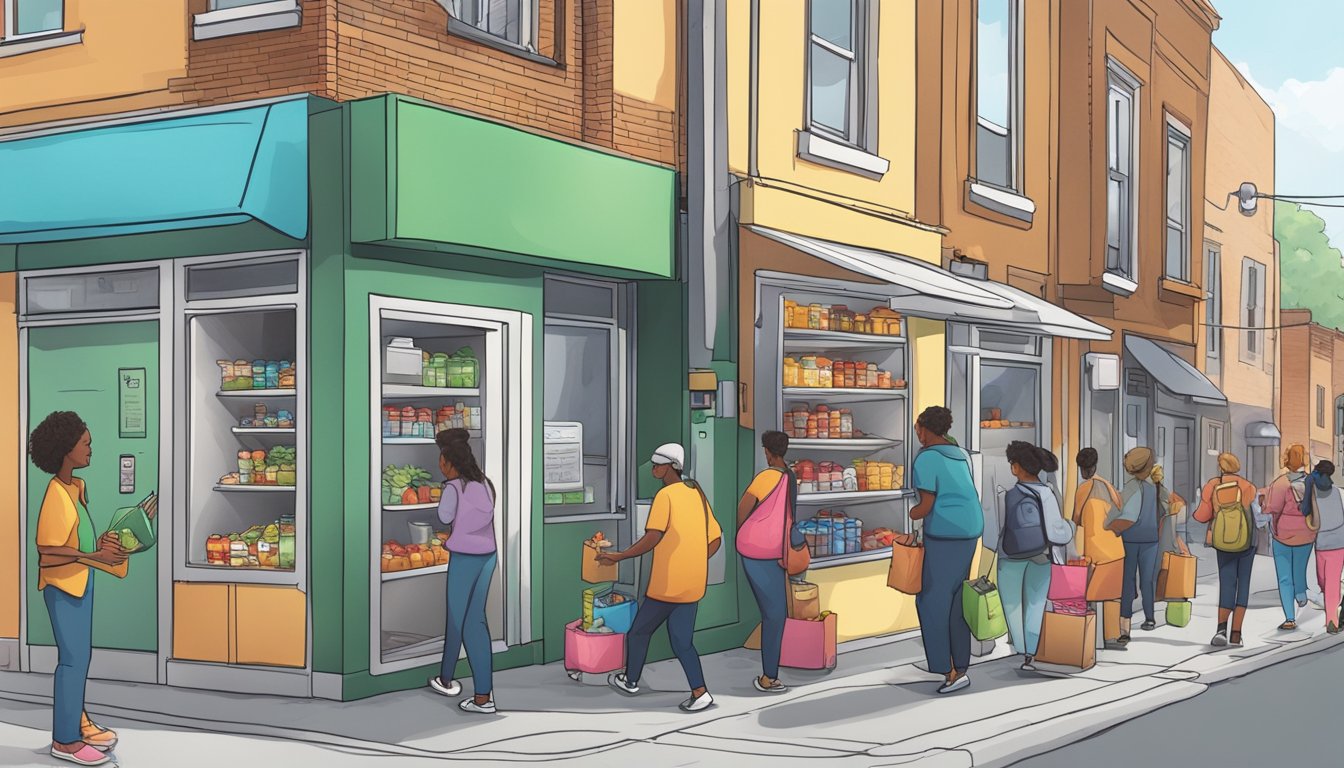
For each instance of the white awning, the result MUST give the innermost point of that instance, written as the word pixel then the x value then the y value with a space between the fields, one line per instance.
pixel 924 290
pixel 1174 374
pixel 1262 433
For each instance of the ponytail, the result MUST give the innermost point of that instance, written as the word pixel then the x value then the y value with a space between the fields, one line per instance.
pixel 456 450
pixel 1049 462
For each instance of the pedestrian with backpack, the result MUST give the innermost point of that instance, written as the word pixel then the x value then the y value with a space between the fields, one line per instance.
pixel 1293 539
pixel 1326 518
pixel 765 528
pixel 1095 502
pixel 1032 535
pixel 1140 511
pixel 1227 503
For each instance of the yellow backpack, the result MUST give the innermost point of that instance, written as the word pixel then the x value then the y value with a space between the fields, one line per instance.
pixel 1231 522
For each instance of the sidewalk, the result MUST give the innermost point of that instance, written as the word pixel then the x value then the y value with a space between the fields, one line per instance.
pixel 877 708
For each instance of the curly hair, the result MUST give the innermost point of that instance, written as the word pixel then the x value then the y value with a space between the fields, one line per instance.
pixel 456 451
pixel 936 419
pixel 54 439
pixel 1088 458
pixel 775 442
pixel 1031 458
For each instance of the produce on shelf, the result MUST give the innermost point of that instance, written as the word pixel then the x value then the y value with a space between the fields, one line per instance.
pixel 261 418
pixel 864 475
pixel 409 485
pixel 262 468
pixel 823 423
pixel 459 370
pixel 820 372
pixel 412 421
pixel 880 321
pixel 238 375
pixel 832 533
pixel 260 546
pixel 406 557
pixel 1002 424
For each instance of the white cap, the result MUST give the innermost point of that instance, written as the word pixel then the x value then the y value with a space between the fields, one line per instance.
pixel 670 453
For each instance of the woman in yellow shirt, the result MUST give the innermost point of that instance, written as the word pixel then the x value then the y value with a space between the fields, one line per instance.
pixel 60 445
pixel 1092 504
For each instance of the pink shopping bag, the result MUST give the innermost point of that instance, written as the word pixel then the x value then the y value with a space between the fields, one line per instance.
pixel 593 653
pixel 1068 582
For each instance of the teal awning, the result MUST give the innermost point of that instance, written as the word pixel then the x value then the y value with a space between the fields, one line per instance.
pixel 204 170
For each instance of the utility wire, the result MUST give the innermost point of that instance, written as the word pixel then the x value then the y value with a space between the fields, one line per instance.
pixel 1313 205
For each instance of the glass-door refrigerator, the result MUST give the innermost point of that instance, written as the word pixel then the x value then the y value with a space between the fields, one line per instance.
pixel 434 368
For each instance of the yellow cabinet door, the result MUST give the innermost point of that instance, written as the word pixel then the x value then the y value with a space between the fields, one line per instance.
pixel 201 621
pixel 270 625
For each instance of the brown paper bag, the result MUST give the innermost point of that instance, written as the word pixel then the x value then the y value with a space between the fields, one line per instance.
pixel 907 565
pixel 1106 581
pixel 595 572
pixel 1069 641
pixel 1176 580
pixel 804 601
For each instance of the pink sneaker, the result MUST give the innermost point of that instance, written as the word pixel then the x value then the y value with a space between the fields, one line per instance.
pixel 85 755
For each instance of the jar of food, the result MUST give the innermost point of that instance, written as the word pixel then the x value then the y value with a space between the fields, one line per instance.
pixel 244 467
pixel 789 306
pixel 846 424
pixel 408 420
pixel 835 425
pixel 391 421
pixel 825 373
pixel 238 553
pixel 823 427
pixel 812 426
pixel 811 375
pixel 286 540
pixel 258 374
pixel 871 380
pixel 424 427
pixel 216 549
pixel 814 317
pixel 793 373
pixel 287 376
pixel 884 379
pixel 272 374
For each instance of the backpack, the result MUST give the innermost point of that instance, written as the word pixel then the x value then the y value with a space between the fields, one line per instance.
pixel 1231 520
pixel 1024 529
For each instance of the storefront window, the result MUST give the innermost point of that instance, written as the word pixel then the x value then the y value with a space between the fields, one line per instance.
pixel 1101 432
pixel 585 401
pixel 1009 404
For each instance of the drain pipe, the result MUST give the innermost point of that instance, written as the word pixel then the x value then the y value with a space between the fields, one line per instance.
pixel 707 167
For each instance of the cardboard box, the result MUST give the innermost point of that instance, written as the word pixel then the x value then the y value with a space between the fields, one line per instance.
pixel 595 572
pixel 1068 641
pixel 809 644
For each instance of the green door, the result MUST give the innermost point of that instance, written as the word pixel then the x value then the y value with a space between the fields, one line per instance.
pixel 76 368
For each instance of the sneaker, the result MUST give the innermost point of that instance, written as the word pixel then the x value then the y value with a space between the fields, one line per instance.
pixel 85 755
pixel 620 683
pixel 775 687
pixel 1219 640
pixel 1148 626
pixel 470 705
pixel 95 735
pixel 1122 640
pixel 1288 626
pixel 961 682
pixel 1302 601
pixel 452 688
pixel 1027 666
pixel 1116 645
pixel 697 704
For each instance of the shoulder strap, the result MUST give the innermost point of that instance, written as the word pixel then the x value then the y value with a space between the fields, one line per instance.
pixel 703 500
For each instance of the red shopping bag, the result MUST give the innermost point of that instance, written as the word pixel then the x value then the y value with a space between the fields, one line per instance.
pixel 1068 582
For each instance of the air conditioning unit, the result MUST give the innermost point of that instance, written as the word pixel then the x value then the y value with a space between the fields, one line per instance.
pixel 1103 371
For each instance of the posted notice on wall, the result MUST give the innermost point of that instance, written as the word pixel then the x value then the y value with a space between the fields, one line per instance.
pixel 562 455
pixel 131 408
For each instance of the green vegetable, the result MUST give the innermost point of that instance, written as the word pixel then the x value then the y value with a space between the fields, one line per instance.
pixel 128 539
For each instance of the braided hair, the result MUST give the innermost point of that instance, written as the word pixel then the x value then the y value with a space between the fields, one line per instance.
pixel 456 450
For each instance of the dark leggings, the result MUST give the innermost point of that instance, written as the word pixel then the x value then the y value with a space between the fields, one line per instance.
pixel 1234 578
pixel 680 620
pixel 770 586
pixel 942 622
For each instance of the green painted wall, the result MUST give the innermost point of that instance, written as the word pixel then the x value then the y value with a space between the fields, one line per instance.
pixel 74 368
pixel 423 173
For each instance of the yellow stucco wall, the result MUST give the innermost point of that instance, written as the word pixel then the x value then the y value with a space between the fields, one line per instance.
pixel 10 461
pixel 122 53
pixel 644 59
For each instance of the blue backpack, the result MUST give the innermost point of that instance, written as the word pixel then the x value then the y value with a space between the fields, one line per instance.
pixel 1024 529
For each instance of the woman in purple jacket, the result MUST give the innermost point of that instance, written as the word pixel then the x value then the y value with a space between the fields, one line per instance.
pixel 468 506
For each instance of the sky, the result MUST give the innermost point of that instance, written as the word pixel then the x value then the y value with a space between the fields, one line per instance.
pixel 1292 51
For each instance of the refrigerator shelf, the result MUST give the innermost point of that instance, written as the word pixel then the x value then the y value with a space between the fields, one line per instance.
pixel 409 507
pixel 851 497
pixel 856 445
pixel 255 488
pixel 258 393
pixel 426 571
pixel 867 556
pixel 475 433
pixel 263 431
pixel 413 392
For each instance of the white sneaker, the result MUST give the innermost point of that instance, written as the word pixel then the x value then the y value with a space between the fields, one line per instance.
pixel 775 687
pixel 956 685
pixel 453 688
pixel 470 705
pixel 698 704
pixel 1219 640
pixel 620 683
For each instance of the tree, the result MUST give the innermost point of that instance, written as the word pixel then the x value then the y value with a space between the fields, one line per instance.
pixel 1311 269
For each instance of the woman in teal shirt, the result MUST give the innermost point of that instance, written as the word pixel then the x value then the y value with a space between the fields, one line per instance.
pixel 949 505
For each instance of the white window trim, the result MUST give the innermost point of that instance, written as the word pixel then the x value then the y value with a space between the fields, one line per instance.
pixel 822 149
pixel 1016 111
pixel 1213 294
pixel 14 44
pixel 1002 201
pixel 1115 71
pixel 526 46
pixel 245 19
pixel 1244 352
pixel 863 84
pixel 1178 131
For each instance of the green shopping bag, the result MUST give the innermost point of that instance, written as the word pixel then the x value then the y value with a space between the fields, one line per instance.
pixel 1178 612
pixel 983 608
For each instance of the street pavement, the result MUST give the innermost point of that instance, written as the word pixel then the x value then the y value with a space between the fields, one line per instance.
pixel 1284 715
pixel 877 708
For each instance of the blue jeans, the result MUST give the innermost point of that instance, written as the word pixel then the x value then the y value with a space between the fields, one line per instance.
pixel 468 588
pixel 770 586
pixel 1234 578
pixel 1140 560
pixel 1023 586
pixel 942 623
pixel 1290 564
pixel 72 626
pixel 680 620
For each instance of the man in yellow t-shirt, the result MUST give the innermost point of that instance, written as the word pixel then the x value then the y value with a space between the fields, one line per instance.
pixel 683 535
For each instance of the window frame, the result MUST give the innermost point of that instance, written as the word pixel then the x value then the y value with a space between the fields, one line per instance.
pixel 1016 87
pixel 860 134
pixel 1178 135
pixel 1320 406
pixel 529 34
pixel 621 389
pixel 1119 80
pixel 1213 301
pixel 1252 346
pixel 11 17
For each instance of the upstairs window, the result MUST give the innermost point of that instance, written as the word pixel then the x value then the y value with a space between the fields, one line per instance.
pixel 1252 310
pixel 836 34
pixel 512 21
pixel 1121 140
pixel 33 17
pixel 1178 203
pixel 1213 306
pixel 997 93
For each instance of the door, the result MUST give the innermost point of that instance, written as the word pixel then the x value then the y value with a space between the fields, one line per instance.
pixel 1175 450
pixel 80 368
pixel 963 399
